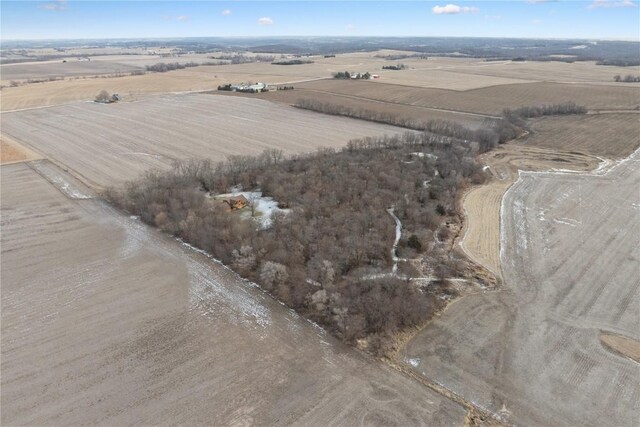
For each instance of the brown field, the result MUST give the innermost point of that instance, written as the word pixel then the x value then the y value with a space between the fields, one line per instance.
pixel 414 112
pixel 613 136
pixel 623 345
pixel 109 143
pixel 481 237
pixel 490 100
pixel 531 352
pixel 560 72
pixel 108 322
pixel 12 152
pixel 479 86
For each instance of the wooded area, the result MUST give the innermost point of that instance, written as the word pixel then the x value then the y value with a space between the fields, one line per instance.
pixel 329 257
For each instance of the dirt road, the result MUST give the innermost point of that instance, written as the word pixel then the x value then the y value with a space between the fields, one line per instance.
pixel 532 352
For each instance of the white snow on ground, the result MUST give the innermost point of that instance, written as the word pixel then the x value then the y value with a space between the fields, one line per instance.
pixel 414 362
pixel 394 270
pixel 519 214
pixel 265 207
pixel 59 181
pixel 567 221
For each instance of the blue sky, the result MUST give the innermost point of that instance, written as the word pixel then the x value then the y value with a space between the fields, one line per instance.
pixel 607 19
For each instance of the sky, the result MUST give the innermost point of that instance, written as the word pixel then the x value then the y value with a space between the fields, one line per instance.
pixel 58 19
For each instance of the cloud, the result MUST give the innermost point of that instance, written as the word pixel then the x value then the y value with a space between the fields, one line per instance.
pixel 607 4
pixel 453 9
pixel 265 21
pixel 350 27
pixel 56 5
pixel 182 18
pixel 493 17
pixel 226 12
pixel 541 1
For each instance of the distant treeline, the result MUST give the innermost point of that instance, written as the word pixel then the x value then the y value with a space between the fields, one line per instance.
pixel 242 59
pixel 293 62
pixel 162 67
pixel 626 79
pixel 395 67
pixel 510 126
pixel 620 62
pixel 329 256
pixel 397 56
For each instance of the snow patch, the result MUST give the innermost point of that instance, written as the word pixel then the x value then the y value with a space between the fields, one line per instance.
pixel 414 362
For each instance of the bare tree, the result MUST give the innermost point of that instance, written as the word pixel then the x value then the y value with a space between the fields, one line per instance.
pixel 103 96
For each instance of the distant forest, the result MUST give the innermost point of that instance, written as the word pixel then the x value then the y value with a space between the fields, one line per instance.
pixel 605 52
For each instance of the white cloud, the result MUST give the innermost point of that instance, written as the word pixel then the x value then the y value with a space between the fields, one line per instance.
pixel 453 9
pixel 182 18
pixel 265 21
pixel 226 12
pixel 57 5
pixel 597 4
pixel 350 27
pixel 541 1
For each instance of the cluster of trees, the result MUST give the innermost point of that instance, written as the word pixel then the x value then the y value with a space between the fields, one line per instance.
pixel 620 62
pixel 242 59
pixel 395 57
pixel 486 138
pixel 105 98
pixel 293 62
pixel 163 67
pixel 510 126
pixel 395 67
pixel 626 79
pixel 348 75
pixel 329 256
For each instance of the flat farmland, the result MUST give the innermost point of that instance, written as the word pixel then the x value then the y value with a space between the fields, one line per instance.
pixel 577 72
pixel 612 136
pixel 106 321
pixel 109 143
pixel 413 112
pixel 491 100
pixel 532 351
pixel 130 87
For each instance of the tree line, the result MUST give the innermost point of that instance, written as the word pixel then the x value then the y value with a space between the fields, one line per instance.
pixel 626 79
pixel 511 125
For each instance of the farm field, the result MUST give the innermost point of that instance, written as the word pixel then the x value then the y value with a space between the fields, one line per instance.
pixel 481 237
pixel 110 143
pixel 11 151
pixel 570 266
pixel 414 112
pixel 613 136
pixel 559 72
pixel 484 86
pixel 106 321
pixel 490 101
